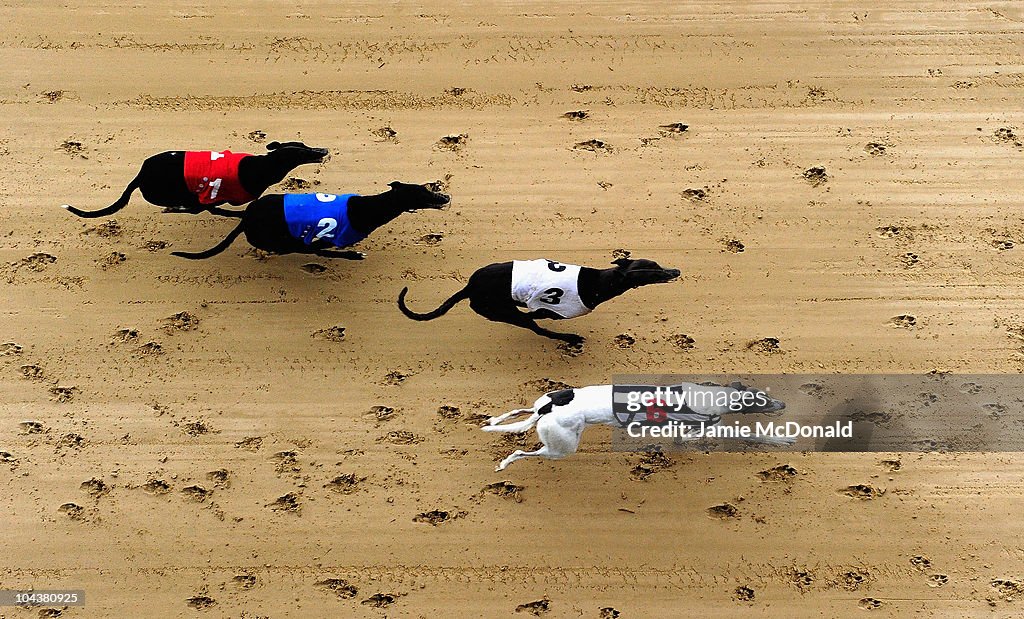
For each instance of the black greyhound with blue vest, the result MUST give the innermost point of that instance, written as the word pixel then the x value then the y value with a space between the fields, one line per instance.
pixel 322 223
pixel 548 289
pixel 196 181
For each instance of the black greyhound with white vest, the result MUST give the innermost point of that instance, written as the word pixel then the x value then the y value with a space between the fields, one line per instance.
pixel 322 223
pixel 548 289
pixel 561 416
pixel 196 181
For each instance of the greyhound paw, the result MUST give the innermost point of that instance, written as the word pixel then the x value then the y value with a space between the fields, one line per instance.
pixel 356 255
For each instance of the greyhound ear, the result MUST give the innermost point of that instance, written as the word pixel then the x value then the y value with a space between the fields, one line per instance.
pixel 273 145
pixel 621 262
pixel 394 184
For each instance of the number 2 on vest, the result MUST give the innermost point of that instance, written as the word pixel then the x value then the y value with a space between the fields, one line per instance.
pixel 552 296
pixel 328 224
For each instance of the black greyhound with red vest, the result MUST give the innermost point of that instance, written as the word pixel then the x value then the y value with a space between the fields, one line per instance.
pixel 322 223
pixel 197 181
pixel 548 289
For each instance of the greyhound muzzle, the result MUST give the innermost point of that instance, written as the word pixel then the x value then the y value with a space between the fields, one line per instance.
pixel 436 200
pixel 665 276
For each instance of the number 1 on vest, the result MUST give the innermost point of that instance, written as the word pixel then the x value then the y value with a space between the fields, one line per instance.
pixel 215 187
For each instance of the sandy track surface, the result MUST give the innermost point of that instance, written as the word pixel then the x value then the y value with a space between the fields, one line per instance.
pixel 201 439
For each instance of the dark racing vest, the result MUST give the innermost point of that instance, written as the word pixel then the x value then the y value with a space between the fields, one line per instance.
pixel 213 177
pixel 315 216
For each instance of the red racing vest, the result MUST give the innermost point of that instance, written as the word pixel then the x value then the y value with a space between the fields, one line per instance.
pixel 213 177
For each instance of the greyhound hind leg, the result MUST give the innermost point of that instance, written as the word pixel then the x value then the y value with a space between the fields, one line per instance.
pixel 561 438
pixel 561 434
pixel 519 454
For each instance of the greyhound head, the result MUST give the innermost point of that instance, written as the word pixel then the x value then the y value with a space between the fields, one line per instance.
pixel 415 197
pixel 760 402
pixel 297 152
pixel 636 273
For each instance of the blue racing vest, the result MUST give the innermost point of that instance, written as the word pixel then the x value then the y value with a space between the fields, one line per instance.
pixel 314 216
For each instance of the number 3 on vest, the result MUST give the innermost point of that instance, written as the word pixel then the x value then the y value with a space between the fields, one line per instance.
pixel 328 224
pixel 552 296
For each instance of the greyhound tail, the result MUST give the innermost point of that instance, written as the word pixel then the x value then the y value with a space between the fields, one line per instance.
pixel 216 249
pixel 441 311
pixel 113 208
pixel 519 426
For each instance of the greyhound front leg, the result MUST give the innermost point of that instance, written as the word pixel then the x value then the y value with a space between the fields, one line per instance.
pixel 347 255
pixel 519 319
pixel 778 441
pixel 223 212
pixel 781 441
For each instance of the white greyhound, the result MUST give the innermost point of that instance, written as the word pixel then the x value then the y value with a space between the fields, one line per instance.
pixel 561 416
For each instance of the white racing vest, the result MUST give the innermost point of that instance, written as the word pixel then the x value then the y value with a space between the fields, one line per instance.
pixel 546 284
